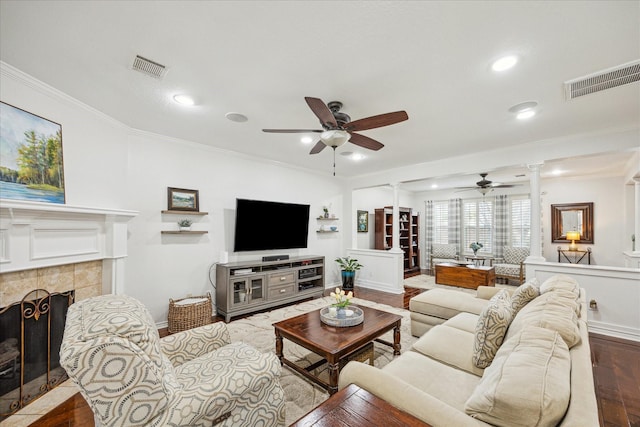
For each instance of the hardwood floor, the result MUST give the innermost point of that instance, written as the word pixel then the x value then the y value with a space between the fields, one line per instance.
pixel 616 371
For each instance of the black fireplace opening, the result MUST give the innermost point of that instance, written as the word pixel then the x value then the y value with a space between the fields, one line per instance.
pixel 31 334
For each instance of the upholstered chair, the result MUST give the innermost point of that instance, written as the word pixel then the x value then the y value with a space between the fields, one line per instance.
pixel 130 377
pixel 442 252
pixel 511 266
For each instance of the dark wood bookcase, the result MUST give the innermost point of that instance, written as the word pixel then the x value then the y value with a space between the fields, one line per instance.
pixel 409 235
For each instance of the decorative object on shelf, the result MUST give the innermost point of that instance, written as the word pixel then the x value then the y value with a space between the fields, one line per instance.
pixel 326 211
pixel 333 228
pixel 353 316
pixel 35 172
pixel 349 267
pixel 185 224
pixel 180 199
pixel 573 236
pixel 363 221
pixel 475 247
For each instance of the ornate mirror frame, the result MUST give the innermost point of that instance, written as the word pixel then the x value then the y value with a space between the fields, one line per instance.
pixel 558 235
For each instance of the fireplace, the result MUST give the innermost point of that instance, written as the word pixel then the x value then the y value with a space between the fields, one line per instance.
pixel 50 256
pixel 30 337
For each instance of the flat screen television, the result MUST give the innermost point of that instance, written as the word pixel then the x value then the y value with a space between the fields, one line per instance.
pixel 263 225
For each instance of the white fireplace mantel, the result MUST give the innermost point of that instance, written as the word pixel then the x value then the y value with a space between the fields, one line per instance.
pixel 36 235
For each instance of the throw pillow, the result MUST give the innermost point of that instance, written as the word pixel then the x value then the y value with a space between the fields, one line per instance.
pixel 528 383
pixel 491 328
pixel 523 294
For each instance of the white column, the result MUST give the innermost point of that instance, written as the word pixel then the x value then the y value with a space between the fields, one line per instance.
pixel 395 237
pixel 636 214
pixel 536 209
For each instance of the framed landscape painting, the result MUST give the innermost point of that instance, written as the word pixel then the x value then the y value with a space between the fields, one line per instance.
pixel 363 221
pixel 180 199
pixel 31 164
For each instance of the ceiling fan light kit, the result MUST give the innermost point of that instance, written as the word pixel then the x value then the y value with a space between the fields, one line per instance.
pixel 337 127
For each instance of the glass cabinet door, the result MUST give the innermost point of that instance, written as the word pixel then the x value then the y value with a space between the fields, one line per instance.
pixel 256 289
pixel 239 292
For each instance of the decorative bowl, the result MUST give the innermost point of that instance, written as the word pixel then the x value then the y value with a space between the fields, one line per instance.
pixel 334 228
pixel 356 317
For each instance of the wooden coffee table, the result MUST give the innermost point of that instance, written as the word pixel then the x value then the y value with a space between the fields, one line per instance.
pixel 333 343
pixel 465 276
pixel 355 407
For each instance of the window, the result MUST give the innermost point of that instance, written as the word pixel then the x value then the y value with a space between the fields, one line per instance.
pixel 520 222
pixel 477 223
pixel 440 222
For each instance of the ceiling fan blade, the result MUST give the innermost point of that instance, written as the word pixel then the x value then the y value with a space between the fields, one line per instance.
pixel 377 121
pixel 321 110
pixel 504 185
pixel 317 148
pixel 365 142
pixel 291 130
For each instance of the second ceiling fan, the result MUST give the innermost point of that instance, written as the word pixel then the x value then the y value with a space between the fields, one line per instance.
pixel 337 127
pixel 485 186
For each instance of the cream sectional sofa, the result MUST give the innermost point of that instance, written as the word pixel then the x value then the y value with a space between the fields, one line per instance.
pixel 539 373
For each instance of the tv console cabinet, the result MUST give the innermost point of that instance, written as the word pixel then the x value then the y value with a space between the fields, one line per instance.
pixel 249 286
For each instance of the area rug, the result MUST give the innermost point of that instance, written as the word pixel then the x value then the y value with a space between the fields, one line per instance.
pixel 301 395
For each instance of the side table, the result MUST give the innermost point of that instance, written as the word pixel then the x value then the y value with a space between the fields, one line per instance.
pixel 574 257
pixel 355 407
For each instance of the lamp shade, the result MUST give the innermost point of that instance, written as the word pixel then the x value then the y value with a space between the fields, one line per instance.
pixel 573 235
pixel 335 138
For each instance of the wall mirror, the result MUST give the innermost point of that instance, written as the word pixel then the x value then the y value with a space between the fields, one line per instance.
pixel 570 217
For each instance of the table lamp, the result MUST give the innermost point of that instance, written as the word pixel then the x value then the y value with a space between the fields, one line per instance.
pixel 573 236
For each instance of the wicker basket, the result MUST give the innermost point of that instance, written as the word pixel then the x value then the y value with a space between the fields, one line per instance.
pixel 184 314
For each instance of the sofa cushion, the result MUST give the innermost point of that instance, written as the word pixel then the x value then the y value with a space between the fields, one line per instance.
pixel 439 250
pixel 491 328
pixel 528 383
pixel 514 255
pixel 560 281
pixel 451 346
pixel 552 310
pixel 523 295
pixel 446 303
pixel 463 321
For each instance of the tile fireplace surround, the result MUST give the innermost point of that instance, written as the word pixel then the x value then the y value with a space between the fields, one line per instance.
pixel 59 248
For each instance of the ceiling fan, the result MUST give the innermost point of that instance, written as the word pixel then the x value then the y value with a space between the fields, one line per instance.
pixel 337 127
pixel 485 186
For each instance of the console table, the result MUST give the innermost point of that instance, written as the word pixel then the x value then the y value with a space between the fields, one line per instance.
pixel 574 257
pixel 246 287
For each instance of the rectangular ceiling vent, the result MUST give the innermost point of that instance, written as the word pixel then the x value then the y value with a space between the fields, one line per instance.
pixel 602 80
pixel 149 67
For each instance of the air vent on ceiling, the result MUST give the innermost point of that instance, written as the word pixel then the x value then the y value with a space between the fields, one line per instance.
pixel 606 79
pixel 149 67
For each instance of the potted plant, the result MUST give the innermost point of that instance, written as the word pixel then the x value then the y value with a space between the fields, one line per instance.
pixel 185 224
pixel 342 301
pixel 475 247
pixel 349 267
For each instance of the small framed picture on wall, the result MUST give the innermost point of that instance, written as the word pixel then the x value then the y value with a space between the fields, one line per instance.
pixel 180 199
pixel 363 221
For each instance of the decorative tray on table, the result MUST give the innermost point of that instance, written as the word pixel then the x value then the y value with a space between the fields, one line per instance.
pixel 353 316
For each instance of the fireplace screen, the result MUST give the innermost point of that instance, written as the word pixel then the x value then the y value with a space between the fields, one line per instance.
pixel 30 338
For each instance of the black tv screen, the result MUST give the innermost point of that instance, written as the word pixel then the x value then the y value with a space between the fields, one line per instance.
pixel 262 225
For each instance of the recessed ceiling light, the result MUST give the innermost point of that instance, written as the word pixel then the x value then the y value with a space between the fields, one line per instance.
pixel 556 172
pixel 434 185
pixel 236 117
pixel 183 100
pixel 504 63
pixel 527 114
pixel 357 156
pixel 306 140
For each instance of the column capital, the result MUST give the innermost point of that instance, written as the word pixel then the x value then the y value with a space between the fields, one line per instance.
pixel 535 166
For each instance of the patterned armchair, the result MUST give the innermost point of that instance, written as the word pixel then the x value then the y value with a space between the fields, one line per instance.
pixel 129 377
pixel 442 252
pixel 511 266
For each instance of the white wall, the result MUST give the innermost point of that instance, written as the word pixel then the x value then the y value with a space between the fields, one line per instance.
pixel 109 165
pixel 607 195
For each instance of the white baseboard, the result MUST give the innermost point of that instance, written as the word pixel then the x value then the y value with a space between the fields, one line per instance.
pixel 611 330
